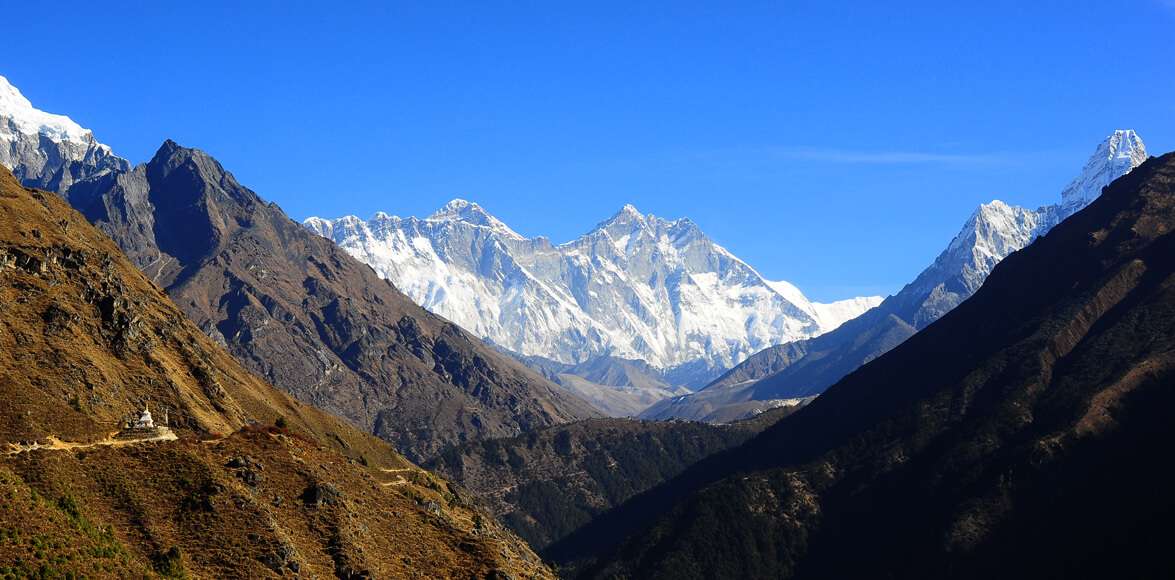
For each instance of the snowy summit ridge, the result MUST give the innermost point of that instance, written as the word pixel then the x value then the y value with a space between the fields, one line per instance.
pixel 471 213
pixel 996 229
pixel 22 116
pixel 46 150
pixel 1116 156
pixel 636 287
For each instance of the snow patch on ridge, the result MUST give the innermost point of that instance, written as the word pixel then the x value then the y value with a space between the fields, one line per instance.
pixel 27 119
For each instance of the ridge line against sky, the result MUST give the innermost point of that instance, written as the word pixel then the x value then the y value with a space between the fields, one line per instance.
pixel 838 147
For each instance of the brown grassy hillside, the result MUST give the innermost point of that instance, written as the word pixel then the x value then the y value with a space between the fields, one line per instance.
pixel 85 339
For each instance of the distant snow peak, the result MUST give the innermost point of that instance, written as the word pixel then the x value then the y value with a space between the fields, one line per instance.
pixel 629 225
pixel 25 118
pixel 473 214
pixel 997 229
pixel 629 219
pixel 635 287
pixel 833 314
pixel 1115 156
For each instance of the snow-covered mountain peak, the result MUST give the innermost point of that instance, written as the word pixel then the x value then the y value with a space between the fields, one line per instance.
pixel 27 119
pixel 635 287
pixel 1117 155
pixel 686 224
pixel 629 230
pixel 990 215
pixel 628 218
pixel 319 225
pixel 996 229
pixel 993 206
pixel 471 213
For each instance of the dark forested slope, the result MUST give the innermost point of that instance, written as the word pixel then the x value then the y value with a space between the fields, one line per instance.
pixel 1024 434
pixel 548 483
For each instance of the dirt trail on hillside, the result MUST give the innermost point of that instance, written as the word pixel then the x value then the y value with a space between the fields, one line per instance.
pixel 55 444
pixel 400 480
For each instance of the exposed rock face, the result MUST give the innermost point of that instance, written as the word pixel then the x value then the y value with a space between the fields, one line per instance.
pixel 992 233
pixel 86 338
pixel 1021 435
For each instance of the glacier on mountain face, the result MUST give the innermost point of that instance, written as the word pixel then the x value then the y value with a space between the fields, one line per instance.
pixel 636 287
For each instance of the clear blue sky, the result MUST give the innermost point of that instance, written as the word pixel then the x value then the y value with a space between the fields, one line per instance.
pixel 837 145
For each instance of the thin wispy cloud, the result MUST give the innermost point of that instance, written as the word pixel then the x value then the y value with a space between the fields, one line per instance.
pixel 851 156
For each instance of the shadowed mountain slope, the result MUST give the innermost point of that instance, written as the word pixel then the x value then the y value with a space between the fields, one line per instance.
pixel 1024 434
pixel 85 339
pixel 548 483
pixel 311 319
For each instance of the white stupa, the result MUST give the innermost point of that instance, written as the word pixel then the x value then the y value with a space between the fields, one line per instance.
pixel 144 421
pixel 142 426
